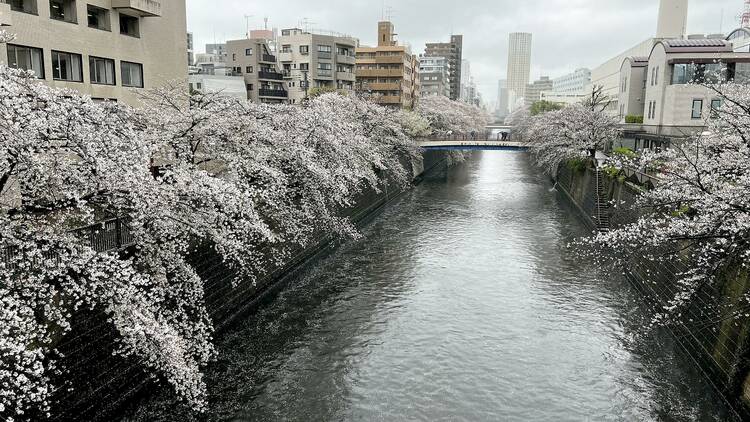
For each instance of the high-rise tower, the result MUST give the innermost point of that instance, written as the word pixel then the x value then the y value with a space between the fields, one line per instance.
pixel 519 66
pixel 672 19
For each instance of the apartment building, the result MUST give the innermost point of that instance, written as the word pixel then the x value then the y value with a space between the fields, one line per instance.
pixel 665 88
pixel 576 82
pixel 434 76
pixel 252 59
pixel 389 72
pixel 108 49
pixel 453 52
pixel 316 60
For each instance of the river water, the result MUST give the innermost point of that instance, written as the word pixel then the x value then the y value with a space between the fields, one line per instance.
pixel 460 303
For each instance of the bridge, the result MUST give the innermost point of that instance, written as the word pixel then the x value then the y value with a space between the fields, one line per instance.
pixel 495 138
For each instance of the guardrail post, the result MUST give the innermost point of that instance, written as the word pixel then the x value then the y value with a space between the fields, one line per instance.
pixel 118 233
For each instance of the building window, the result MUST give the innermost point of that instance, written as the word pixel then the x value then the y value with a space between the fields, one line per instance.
pixel 249 87
pixel 715 106
pixel 132 74
pixel 102 71
pixel 304 49
pixel 697 109
pixel 67 66
pixel 98 18
pixel 26 58
pixel 249 69
pixel 63 10
pixel 129 26
pixel 248 51
pixel 25 6
pixel 656 76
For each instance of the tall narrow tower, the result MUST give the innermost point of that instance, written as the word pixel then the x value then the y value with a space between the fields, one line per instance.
pixel 519 66
pixel 672 19
pixel 746 15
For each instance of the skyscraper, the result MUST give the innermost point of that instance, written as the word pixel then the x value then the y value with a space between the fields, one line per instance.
pixel 519 66
pixel 502 97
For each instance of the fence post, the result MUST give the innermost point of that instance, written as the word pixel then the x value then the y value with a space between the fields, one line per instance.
pixel 118 232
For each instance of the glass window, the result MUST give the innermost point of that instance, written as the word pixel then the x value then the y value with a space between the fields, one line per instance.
pixel 63 10
pixel 324 48
pixel 98 18
pixel 304 49
pixel 683 73
pixel 102 71
pixel 715 106
pixel 26 6
pixel 26 58
pixel 67 66
pixel 742 73
pixel 129 26
pixel 249 69
pixel 132 74
pixel 248 51
pixel 697 109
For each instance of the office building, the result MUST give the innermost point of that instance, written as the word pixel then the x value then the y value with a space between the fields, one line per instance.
pixel 519 67
pixel 435 76
pixel 502 97
pixel 672 15
pixel 453 52
pixel 252 59
pixel 534 90
pixel 388 72
pixel 572 83
pixel 108 49
pixel 316 60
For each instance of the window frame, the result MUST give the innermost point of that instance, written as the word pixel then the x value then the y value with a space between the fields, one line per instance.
pixel 34 10
pixel 43 74
pixel 700 110
pixel 137 25
pixel 123 63
pixel 248 52
pixel 74 8
pixel 107 19
pixel 72 55
pixel 93 59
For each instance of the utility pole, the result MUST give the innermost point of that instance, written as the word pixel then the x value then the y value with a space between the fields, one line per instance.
pixel 247 23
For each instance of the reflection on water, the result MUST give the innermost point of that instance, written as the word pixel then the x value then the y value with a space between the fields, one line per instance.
pixel 461 303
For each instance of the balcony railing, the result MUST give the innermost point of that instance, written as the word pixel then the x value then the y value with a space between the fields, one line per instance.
pixel 142 8
pixel 268 58
pixel 324 55
pixel 324 73
pixel 274 76
pixel 346 59
pixel 276 93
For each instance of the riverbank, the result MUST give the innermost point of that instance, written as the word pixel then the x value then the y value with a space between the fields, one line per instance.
pixel 718 346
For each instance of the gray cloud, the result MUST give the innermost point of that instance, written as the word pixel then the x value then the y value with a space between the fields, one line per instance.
pixel 567 33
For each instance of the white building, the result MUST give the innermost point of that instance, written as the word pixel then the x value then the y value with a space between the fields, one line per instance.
pixel 572 83
pixel 519 66
pixel 434 75
pixel 502 97
pixel 230 86
pixel 671 24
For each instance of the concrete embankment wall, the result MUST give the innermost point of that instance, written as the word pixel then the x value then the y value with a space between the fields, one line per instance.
pixel 719 345
pixel 96 386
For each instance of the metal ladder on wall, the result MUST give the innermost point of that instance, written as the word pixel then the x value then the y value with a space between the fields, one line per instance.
pixel 602 205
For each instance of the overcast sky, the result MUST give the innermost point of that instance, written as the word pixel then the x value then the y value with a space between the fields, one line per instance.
pixel 568 34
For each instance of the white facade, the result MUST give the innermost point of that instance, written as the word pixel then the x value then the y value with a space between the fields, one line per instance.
pixel 672 19
pixel 230 86
pixel 435 76
pixel 563 98
pixel 502 97
pixel 572 83
pixel 519 66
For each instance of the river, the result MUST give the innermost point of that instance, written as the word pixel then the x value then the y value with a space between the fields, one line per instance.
pixel 460 303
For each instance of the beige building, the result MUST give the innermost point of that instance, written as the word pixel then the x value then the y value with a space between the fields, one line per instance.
pixel 108 49
pixel 665 88
pixel 390 72
pixel 252 59
pixel 671 24
pixel 519 67
pixel 534 90
pixel 316 60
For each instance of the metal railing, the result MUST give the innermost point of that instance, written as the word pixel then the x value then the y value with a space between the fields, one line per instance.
pixel 277 93
pixel 276 76
pixel 268 58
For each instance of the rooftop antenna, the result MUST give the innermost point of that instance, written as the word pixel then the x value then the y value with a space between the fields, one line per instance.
pixel 746 15
pixel 265 23
pixel 306 23
pixel 247 22
pixel 389 13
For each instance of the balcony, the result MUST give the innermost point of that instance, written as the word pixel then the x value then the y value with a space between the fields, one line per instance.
pixel 267 58
pixel 324 73
pixel 346 76
pixel 345 59
pixel 286 56
pixel 273 76
pixel 382 86
pixel 143 8
pixel 5 19
pixel 374 73
pixel 273 93
pixel 324 55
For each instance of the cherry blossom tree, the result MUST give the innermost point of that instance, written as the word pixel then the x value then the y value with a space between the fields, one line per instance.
pixel 446 116
pixel 255 182
pixel 574 132
pixel 700 210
